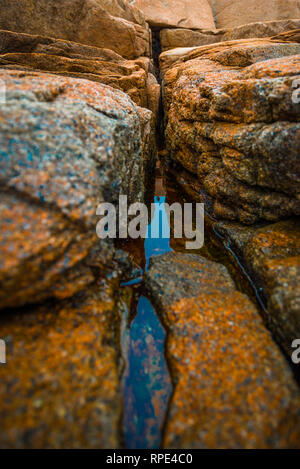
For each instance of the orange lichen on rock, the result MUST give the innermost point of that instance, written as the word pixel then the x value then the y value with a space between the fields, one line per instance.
pixel 114 25
pixel 281 30
pixel 62 57
pixel 271 256
pixel 232 386
pixel 233 122
pixel 60 387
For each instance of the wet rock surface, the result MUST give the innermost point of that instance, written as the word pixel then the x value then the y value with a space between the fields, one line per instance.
pixel 232 387
pixel 173 38
pixel 62 57
pixel 233 123
pixel 95 23
pixel 66 146
pixel 61 385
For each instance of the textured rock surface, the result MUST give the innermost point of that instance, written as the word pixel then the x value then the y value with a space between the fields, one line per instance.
pixel 173 38
pixel 271 255
pixel 233 388
pixel 240 52
pixel 230 13
pixel 123 9
pixel 169 57
pixel 60 387
pixel 30 52
pixel 147 123
pixel 288 36
pixel 66 145
pixel 232 123
pixel 84 21
pixel 183 13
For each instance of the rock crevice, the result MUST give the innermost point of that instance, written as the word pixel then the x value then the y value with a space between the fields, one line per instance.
pixel 78 127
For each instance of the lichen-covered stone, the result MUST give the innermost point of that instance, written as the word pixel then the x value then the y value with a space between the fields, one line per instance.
pixel 235 53
pixel 66 145
pixel 62 57
pixel 233 123
pixel 271 255
pixel 60 387
pixel 99 23
pixel 232 386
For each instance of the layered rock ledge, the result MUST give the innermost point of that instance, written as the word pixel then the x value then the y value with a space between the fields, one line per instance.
pixel 62 57
pixel 113 25
pixel 182 37
pixel 271 255
pixel 232 122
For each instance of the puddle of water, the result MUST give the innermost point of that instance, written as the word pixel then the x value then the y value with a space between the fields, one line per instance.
pixel 146 384
pixel 146 381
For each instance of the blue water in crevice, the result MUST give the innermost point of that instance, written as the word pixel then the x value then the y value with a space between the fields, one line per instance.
pixel 155 245
pixel 146 381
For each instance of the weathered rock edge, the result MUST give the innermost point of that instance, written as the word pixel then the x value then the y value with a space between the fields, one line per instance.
pixel 233 123
pixel 66 145
pixel 232 386
pixel 92 22
pixel 39 53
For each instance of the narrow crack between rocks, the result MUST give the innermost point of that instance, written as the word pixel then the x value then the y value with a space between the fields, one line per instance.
pixel 147 383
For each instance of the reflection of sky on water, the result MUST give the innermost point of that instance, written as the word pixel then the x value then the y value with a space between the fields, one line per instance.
pixel 146 383
pixel 158 234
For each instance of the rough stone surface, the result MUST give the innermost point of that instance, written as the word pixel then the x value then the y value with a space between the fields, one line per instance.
pixel 30 52
pixel 288 36
pixel 240 52
pixel 173 38
pixel 90 22
pixel 123 9
pixel 170 57
pixel 232 387
pixel 147 122
pixel 66 145
pixel 231 13
pixel 182 14
pixel 271 255
pixel 232 123
pixel 60 387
